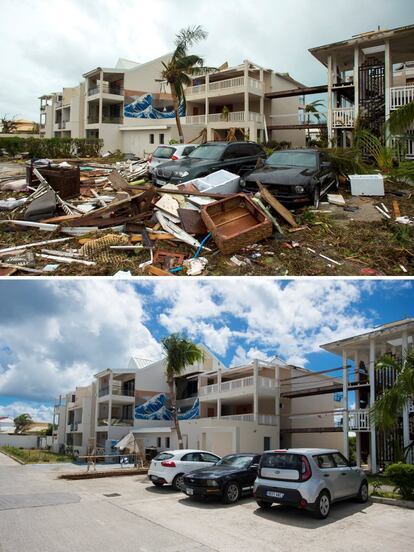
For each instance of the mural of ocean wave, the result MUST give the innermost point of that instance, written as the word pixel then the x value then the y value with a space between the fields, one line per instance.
pixel 142 108
pixel 156 409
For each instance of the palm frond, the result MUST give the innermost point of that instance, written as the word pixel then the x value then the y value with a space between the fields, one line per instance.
pixel 401 119
pixel 180 352
pixel 387 408
pixel 189 61
pixel 198 71
pixel 189 36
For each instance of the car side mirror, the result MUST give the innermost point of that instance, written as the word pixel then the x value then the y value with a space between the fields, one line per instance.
pixel 352 464
pixel 254 467
pixel 326 165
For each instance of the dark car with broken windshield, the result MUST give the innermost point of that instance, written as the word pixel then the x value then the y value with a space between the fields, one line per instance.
pixel 235 157
pixel 231 478
pixel 294 177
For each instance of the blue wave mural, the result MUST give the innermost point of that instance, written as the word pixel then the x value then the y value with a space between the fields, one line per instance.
pixel 143 108
pixel 156 409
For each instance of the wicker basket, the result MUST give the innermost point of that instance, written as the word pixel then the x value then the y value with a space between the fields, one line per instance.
pixel 235 222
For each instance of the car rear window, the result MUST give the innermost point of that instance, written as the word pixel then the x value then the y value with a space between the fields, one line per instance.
pixel 281 461
pixel 163 456
pixel 164 153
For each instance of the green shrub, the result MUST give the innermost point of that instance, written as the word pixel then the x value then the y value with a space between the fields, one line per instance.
pixel 402 476
pixel 53 148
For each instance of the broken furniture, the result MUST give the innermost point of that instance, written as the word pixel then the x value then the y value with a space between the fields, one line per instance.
pixel 64 180
pixel 235 222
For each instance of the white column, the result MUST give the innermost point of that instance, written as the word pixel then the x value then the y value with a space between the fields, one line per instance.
pixel 219 391
pixel 388 77
pixel 246 91
pixel 277 404
pixel 207 106
pixel 356 81
pixel 406 422
pixel 262 102
pixel 373 440
pixel 100 97
pixel 111 379
pixel 330 101
pixel 345 413
pixel 256 390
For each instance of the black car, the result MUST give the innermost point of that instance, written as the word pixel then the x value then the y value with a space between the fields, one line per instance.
pixel 235 157
pixel 294 177
pixel 232 477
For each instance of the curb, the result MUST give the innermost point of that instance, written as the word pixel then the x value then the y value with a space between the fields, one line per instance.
pixel 13 458
pixel 100 474
pixel 393 502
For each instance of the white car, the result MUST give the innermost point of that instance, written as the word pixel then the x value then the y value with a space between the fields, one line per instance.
pixel 166 153
pixel 169 467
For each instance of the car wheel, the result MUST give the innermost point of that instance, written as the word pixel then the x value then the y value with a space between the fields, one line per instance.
pixel 363 494
pixel 316 196
pixel 231 493
pixel 323 505
pixel 157 483
pixel 178 482
pixel 263 504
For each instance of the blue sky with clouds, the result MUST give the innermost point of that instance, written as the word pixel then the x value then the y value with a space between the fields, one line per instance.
pixel 56 334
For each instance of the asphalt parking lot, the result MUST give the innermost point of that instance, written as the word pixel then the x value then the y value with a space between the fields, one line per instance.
pixel 41 513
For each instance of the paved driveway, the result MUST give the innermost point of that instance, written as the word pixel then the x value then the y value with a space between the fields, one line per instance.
pixel 41 513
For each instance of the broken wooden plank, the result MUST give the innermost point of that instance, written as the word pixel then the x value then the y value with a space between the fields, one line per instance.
pixel 396 208
pixel 155 271
pixel 277 206
pixel 34 244
pixel 22 268
pixel 192 222
pixel 117 181
pixel 65 259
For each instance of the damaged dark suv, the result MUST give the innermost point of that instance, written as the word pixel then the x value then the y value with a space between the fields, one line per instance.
pixel 294 177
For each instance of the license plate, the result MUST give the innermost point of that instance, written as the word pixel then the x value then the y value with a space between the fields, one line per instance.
pixel 190 492
pixel 275 495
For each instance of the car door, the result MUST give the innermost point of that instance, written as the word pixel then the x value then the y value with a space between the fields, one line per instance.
pixel 192 461
pixel 325 173
pixel 349 478
pixel 330 474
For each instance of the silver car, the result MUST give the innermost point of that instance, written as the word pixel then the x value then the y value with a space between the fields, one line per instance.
pixel 166 153
pixel 310 479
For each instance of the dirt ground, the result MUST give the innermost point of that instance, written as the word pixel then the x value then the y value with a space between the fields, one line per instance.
pixel 356 240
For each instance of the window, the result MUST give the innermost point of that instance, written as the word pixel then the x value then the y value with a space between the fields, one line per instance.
pixel 208 151
pixel 324 461
pixel 249 149
pixel 233 152
pixel 192 457
pixel 164 152
pixel 161 138
pixel 188 150
pixel 206 457
pixel 167 442
pixel 163 456
pixel 158 442
pixel 151 139
pixel 266 443
pixel 340 460
pixel 284 461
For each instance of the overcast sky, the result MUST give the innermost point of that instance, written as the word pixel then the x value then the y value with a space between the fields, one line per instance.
pixel 55 334
pixel 48 44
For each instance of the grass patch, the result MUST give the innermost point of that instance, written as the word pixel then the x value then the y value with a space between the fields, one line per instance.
pixel 381 479
pixel 35 456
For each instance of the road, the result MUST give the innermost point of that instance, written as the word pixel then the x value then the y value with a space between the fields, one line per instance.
pixel 41 513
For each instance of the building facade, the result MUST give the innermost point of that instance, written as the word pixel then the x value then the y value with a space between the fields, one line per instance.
pixel 130 107
pixel 369 76
pixel 238 409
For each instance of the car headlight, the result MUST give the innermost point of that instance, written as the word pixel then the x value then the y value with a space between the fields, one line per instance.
pixel 212 483
pixel 299 189
pixel 181 174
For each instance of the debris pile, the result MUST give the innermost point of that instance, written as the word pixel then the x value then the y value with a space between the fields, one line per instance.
pixel 71 218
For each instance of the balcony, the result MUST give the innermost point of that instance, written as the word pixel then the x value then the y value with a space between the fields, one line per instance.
pixel 232 117
pixel 106 89
pixel 113 120
pixel 262 419
pixel 74 426
pixel 227 86
pixel 117 390
pixel 401 95
pixel 343 117
pixel 238 385
pixel 358 420
pixel 119 422
pixel 93 119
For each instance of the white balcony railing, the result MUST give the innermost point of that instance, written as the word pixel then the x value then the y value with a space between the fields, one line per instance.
pixel 401 95
pixel 343 117
pixel 232 117
pixel 267 383
pixel 240 383
pixel 237 384
pixel 209 389
pixel 240 417
pixel 359 420
pixel 225 85
pixel 262 419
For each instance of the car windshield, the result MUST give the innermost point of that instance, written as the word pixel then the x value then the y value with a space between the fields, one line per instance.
pixel 164 153
pixel 207 151
pixel 292 159
pixel 236 461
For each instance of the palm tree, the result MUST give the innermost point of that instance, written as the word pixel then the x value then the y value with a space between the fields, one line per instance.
pixel 388 407
pixel 180 353
pixel 182 66
pixel 22 423
pixel 401 119
pixel 312 108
